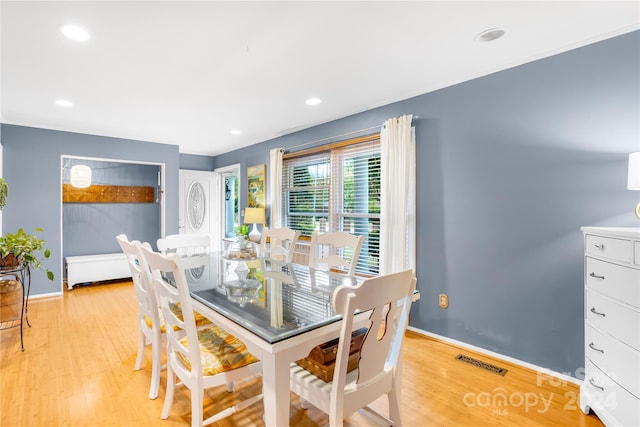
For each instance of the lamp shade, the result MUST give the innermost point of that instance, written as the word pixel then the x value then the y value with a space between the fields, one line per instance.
pixel 633 180
pixel 80 176
pixel 255 216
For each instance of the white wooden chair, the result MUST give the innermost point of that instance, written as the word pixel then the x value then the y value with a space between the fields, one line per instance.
pixel 203 358
pixel 149 323
pixel 282 242
pixel 185 244
pixel 389 299
pixel 335 250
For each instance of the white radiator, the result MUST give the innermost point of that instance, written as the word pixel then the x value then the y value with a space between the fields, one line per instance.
pixel 94 268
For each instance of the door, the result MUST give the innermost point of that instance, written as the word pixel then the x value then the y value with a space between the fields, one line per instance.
pixel 197 201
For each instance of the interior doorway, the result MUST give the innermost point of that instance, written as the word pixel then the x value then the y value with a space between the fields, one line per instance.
pixel 229 184
pixel 90 222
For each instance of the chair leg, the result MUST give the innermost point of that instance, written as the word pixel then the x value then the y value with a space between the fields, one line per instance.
pixel 230 386
pixel 156 348
pixel 304 404
pixel 141 345
pixel 168 397
pixel 394 407
pixel 197 400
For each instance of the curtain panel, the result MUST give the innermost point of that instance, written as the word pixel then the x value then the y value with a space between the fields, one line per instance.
pixel 275 177
pixel 398 207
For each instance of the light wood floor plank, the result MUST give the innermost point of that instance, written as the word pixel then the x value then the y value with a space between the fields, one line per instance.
pixel 77 370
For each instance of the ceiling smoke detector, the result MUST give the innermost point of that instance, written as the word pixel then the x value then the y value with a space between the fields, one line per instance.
pixel 490 35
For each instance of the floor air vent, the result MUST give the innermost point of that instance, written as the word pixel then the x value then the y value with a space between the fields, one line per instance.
pixel 480 364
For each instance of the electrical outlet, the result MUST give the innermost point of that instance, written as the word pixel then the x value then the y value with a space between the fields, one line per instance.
pixel 443 301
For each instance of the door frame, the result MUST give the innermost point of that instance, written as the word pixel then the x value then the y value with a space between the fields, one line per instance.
pixel 220 175
pixel 161 196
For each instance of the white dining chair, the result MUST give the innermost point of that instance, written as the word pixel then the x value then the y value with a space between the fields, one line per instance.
pixel 199 358
pixel 149 323
pixel 281 245
pixel 388 299
pixel 185 244
pixel 335 250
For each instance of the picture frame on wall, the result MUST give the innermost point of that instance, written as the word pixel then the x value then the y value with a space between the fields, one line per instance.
pixel 256 186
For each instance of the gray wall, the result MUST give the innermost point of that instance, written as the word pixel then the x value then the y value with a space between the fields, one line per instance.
pixel 196 162
pixel 31 166
pixel 510 166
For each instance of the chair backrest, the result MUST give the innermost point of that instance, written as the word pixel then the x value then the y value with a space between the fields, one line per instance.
pixel 335 250
pixel 185 244
pixel 141 276
pixel 170 267
pixel 389 299
pixel 282 242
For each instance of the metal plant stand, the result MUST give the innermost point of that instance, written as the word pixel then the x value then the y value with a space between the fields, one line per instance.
pixel 14 311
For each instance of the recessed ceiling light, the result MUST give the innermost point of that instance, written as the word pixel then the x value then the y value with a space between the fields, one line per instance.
pixel 490 35
pixel 236 132
pixel 313 101
pixel 64 103
pixel 74 32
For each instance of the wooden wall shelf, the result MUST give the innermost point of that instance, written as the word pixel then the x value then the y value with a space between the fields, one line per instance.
pixel 108 194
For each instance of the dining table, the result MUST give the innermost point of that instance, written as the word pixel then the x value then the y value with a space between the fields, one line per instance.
pixel 280 310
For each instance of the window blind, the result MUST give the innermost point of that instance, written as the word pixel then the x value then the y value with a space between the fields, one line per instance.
pixel 337 190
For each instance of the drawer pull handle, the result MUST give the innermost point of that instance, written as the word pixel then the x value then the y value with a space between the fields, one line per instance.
pixel 593 347
pixel 595 276
pixel 593 310
pixel 599 246
pixel 595 385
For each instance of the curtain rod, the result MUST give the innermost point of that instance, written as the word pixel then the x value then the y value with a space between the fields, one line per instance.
pixel 339 136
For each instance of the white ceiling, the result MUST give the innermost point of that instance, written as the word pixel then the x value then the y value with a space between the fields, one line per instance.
pixel 186 73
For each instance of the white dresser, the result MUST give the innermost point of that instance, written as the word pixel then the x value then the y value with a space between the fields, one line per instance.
pixel 611 386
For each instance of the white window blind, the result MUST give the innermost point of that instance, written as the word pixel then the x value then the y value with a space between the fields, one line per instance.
pixel 337 190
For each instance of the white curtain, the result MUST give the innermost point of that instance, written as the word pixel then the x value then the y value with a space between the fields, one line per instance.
pixel 275 178
pixel 398 188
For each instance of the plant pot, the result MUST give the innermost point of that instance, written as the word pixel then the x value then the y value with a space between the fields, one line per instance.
pixel 11 260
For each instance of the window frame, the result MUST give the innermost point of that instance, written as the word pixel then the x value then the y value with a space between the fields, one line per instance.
pixel 337 152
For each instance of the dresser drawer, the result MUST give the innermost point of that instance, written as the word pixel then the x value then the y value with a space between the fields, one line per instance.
pixel 610 317
pixel 617 360
pixel 618 282
pixel 608 247
pixel 613 404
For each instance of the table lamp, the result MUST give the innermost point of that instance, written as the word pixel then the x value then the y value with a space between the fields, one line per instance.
pixel 255 216
pixel 633 180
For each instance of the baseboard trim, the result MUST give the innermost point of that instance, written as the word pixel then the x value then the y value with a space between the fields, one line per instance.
pixel 522 363
pixel 48 295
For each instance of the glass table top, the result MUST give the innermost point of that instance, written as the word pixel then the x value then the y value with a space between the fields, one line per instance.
pixel 273 299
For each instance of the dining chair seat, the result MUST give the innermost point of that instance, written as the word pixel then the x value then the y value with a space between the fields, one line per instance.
pixel 201 321
pixel 219 351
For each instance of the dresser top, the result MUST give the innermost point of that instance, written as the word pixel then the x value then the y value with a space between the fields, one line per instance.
pixel 630 232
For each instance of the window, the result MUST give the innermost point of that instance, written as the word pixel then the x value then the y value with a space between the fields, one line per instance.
pixel 336 188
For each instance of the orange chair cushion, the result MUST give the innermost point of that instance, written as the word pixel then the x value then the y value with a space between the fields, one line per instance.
pixel 219 351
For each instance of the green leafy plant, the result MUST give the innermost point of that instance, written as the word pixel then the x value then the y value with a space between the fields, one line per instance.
pixel 25 248
pixel 242 230
pixel 4 191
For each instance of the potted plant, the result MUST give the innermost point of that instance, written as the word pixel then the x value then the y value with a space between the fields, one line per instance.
pixel 20 247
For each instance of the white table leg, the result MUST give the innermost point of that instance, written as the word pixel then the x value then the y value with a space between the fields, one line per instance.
pixel 275 385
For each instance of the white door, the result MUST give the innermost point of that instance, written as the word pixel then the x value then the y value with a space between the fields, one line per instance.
pixel 197 201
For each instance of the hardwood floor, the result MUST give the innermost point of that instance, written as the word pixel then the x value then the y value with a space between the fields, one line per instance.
pixel 77 370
